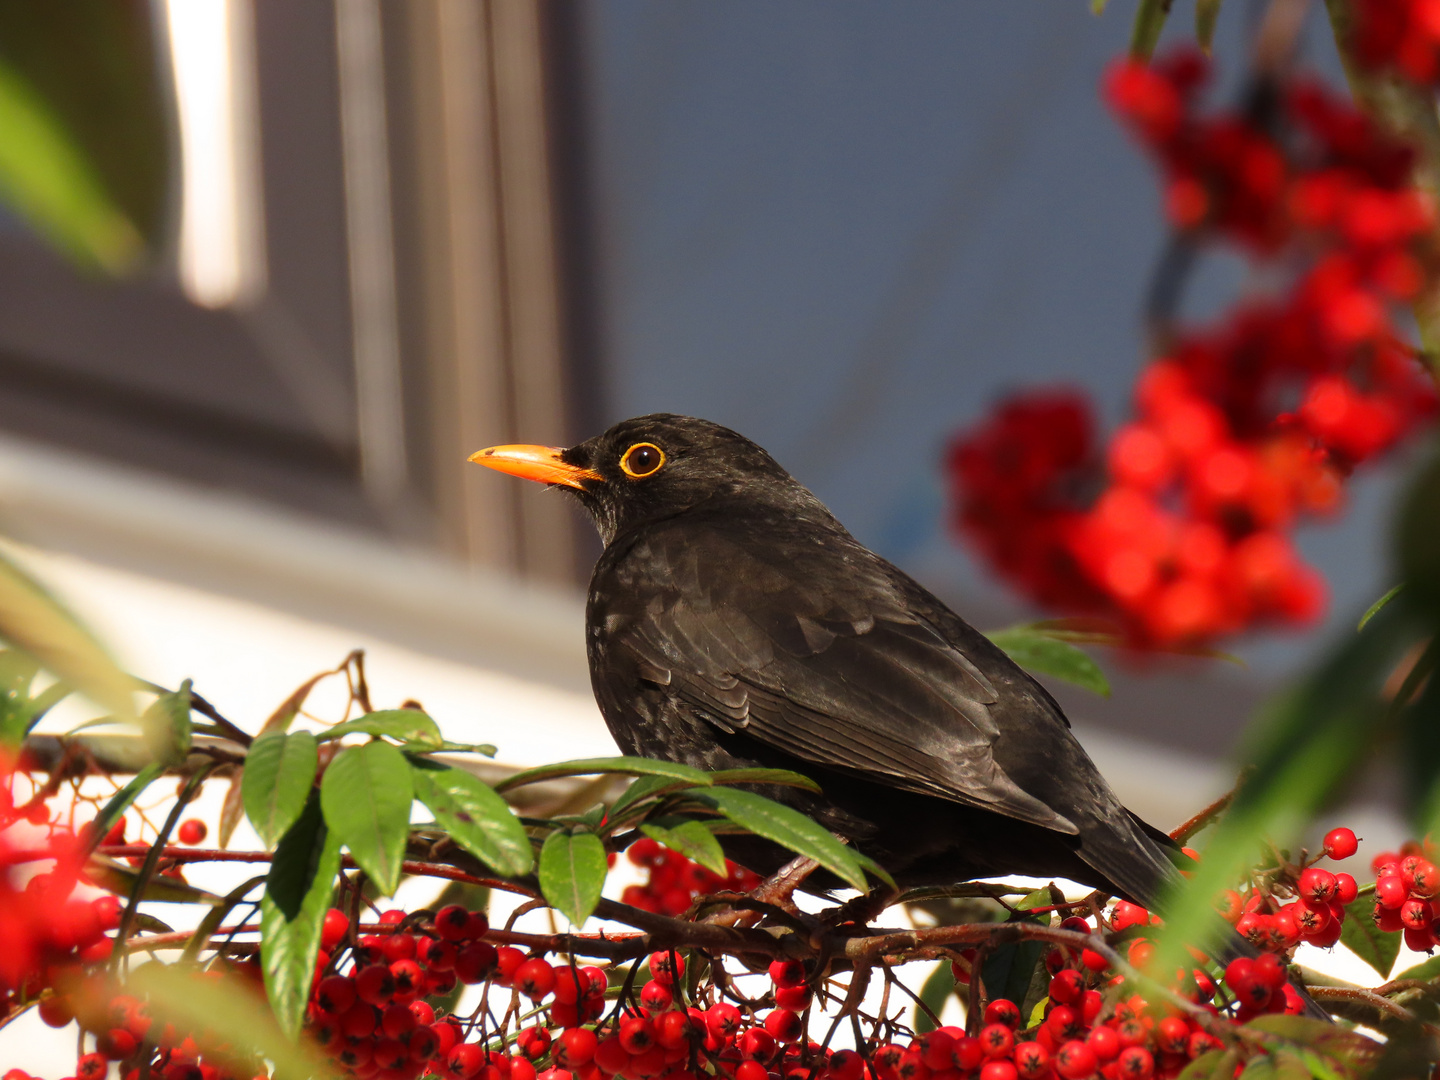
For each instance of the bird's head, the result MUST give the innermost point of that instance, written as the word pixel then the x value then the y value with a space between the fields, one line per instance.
pixel 647 468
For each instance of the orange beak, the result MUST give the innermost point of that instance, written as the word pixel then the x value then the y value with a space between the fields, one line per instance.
pixel 539 463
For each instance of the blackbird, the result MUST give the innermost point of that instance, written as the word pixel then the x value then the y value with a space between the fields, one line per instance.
pixel 733 621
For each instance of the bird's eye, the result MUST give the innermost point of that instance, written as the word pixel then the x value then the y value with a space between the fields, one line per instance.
pixel 642 459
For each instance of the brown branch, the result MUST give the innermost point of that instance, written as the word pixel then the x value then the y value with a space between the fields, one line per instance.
pixel 1375 1000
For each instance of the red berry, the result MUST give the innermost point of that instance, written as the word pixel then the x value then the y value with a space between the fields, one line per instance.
pixel 192 831
pixel 463 1062
pixel 92 1067
pixel 751 1070
pixel 336 993
pixel 1318 886
pixel 1003 1011
pixel 375 984
pixel 996 1040
pixel 575 1048
pixel 1075 1061
pixel 1135 1063
pixel 1066 987
pixel 1345 888
pixel 637 1034
pixel 333 930
pixel 1032 1061
pixel 507 960
pixel 787 973
pixel 55 1010
pixel 722 1020
pixel 1390 891
pixel 116 1044
pixel 845 1065
pixel 451 921
pixel 999 1069
pixel 535 978
pixel 1340 843
pixel 476 961
pixel 756 1044
pixel 785 1026
pixel 666 966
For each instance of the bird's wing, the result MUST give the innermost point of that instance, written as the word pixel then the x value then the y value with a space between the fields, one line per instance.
pixel 819 657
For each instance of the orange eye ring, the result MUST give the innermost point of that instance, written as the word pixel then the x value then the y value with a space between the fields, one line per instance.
pixel 642 460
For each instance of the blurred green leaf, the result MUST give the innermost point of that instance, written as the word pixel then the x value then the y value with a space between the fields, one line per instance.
pixel 1207 12
pixel 279 773
pixel 366 794
pixel 404 725
pixel 783 777
pixel 1420 740
pixel 33 620
pixel 475 817
pixel 1424 971
pixel 1418 537
pixel 1374 608
pixel 572 873
pixel 1303 748
pixel 1035 650
pixel 934 992
pixel 122 801
pixel 200 939
pixel 95 68
pixel 625 766
pixel 1211 1065
pixel 19 710
pixel 120 878
pixel 1361 936
pixel 292 912
pixel 166 726
pixel 690 839
pixel 231 1011
pixel 786 827
pixel 45 176
pixel 1150 19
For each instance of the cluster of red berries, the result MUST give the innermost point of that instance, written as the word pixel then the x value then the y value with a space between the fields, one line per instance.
pixel 47 930
pixel 373 1020
pixel 1398 35
pixel 1180 528
pixel 124 1030
pixel 659 1036
pixel 672 882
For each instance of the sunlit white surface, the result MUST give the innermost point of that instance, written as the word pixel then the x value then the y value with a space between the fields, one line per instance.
pixel 211 57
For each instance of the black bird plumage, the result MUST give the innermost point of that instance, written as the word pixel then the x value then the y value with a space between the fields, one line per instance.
pixel 733 621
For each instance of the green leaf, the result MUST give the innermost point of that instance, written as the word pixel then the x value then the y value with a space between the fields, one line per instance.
pixel 1303 749
pixel 122 801
pixel 1374 608
pixel 1150 19
pixel 1424 971
pixel 645 787
pixel 366 795
pixel 475 817
pixel 1418 537
pixel 403 725
pixel 33 620
pixel 279 773
pixel 934 992
pixel 19 711
pixel 292 912
pixel 1361 936
pixel 625 766
pixel 1207 12
pixel 120 878
pixel 200 939
pixel 1034 650
pixel 46 176
pixel 789 828
pixel 1013 969
pixel 572 873
pixel 782 777
pixel 448 747
pixel 166 726
pixel 692 840
pixel 1211 1065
